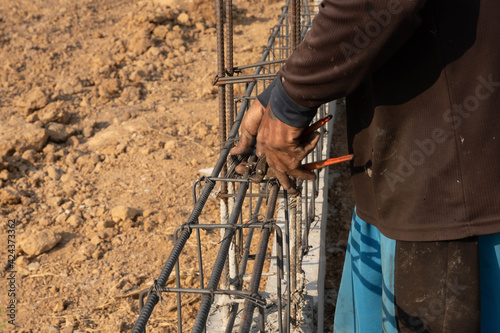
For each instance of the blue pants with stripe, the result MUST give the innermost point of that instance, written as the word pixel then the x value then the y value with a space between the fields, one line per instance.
pixel 367 297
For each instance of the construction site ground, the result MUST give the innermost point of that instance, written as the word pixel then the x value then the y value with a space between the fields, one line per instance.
pixel 107 116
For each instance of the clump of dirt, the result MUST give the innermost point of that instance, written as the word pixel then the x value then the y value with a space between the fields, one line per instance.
pixel 107 113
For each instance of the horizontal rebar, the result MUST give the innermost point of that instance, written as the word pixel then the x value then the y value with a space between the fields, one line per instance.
pixel 220 81
pixel 260 63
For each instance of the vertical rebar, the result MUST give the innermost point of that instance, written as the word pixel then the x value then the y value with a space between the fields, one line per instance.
pixel 249 307
pixel 293 251
pixel 294 24
pixel 206 300
pixel 244 260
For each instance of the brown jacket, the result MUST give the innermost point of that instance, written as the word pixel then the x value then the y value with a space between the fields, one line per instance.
pixel 422 80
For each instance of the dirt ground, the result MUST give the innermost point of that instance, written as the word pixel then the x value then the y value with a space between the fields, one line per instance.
pixel 107 114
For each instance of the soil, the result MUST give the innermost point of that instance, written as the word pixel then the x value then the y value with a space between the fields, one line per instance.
pixel 107 114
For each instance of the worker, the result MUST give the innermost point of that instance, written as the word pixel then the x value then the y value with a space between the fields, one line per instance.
pixel 422 85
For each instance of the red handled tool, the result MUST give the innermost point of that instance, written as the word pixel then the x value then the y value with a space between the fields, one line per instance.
pixel 330 161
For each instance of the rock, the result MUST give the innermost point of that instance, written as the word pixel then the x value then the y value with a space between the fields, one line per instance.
pixel 59 132
pixel 33 266
pixel 30 155
pixel 183 18
pixel 88 249
pixel 74 220
pixel 68 205
pixel 160 31
pixel 22 261
pixel 171 145
pixel 73 140
pixel 55 201
pixel 109 87
pixel 61 218
pixel 18 135
pixel 122 213
pixel 9 196
pixel 127 225
pixel 101 225
pixel 32 118
pixel 5 175
pixel 33 138
pixel 54 113
pixel 38 241
pixel 148 213
pixel 35 100
pixel 53 173
pixel 88 131
pixel 140 42
pixel 149 225
pixel 98 254
pixel 44 221
pixel 174 39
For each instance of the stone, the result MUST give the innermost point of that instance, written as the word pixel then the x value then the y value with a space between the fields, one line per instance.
pixel 122 213
pixel 5 175
pixel 101 225
pixel 140 42
pixel 36 99
pixel 9 196
pixel 19 136
pixel 88 131
pixel 30 155
pixel 38 241
pixel 54 113
pixel 53 173
pixel 33 266
pixel 59 132
pixel 109 87
pixel 74 220
pixel 22 261
pixel 183 18
pixel 88 249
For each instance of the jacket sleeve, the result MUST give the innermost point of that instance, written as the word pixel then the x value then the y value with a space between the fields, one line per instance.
pixel 349 40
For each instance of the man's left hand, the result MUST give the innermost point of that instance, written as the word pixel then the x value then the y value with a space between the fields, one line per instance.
pixel 284 147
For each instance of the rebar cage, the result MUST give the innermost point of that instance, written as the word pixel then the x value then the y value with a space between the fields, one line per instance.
pixel 243 262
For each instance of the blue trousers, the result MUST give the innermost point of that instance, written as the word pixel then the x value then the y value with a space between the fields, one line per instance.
pixel 369 297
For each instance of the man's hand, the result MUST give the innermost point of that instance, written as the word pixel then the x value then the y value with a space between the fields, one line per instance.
pixel 284 147
pixel 248 129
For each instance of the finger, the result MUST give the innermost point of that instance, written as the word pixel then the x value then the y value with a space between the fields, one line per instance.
pixel 244 146
pixel 241 168
pixel 301 173
pixel 284 180
pixel 249 127
pixel 279 171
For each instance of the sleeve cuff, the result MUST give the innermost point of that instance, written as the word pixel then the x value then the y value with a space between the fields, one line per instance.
pixel 286 110
pixel 266 94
